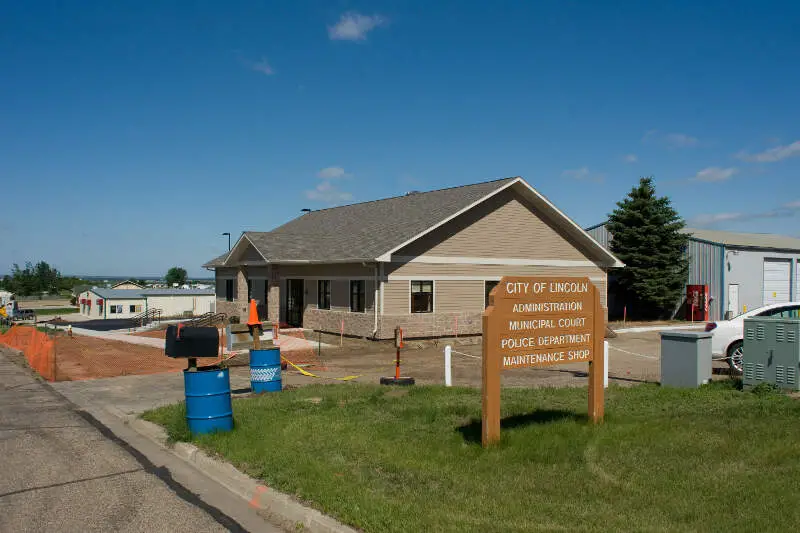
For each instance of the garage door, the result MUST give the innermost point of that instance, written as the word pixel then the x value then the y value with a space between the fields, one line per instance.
pixel 777 280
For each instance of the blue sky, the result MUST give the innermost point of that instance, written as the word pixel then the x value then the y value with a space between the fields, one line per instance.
pixel 134 133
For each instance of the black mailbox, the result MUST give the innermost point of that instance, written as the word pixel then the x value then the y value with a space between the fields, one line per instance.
pixel 191 342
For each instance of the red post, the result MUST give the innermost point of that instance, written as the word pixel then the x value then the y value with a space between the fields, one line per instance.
pixel 397 366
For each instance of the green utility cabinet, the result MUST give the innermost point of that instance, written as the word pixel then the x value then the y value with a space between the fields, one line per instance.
pixel 772 352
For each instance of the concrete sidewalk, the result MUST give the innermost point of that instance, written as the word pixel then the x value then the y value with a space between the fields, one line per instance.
pixel 122 337
pixel 287 343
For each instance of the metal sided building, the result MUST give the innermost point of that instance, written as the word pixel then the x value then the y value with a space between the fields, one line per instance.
pixel 742 270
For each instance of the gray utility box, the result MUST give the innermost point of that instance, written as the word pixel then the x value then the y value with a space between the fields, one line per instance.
pixel 771 352
pixel 685 358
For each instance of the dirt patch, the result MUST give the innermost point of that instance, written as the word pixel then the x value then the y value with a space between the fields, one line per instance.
pixel 81 357
pixel 153 334
pixel 634 358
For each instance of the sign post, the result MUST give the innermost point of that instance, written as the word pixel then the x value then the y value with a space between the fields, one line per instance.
pixel 536 322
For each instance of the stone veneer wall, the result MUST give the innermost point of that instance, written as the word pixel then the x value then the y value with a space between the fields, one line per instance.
pixel 330 321
pixel 229 308
pixel 274 302
pixel 238 307
pixel 432 324
pixel 416 325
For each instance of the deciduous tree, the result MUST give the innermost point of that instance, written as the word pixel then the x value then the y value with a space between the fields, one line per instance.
pixel 176 275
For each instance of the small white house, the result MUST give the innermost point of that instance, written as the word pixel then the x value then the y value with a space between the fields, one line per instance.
pixel 101 303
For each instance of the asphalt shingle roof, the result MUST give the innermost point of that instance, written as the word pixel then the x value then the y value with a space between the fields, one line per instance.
pixel 364 231
pixel 217 261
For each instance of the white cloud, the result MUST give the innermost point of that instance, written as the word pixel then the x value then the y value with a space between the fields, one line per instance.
pixel 332 173
pixel 354 26
pixel 712 219
pixel 261 66
pixel 631 158
pixel 328 193
pixel 680 140
pixel 583 174
pixel 773 154
pixel 715 174
pixel 670 140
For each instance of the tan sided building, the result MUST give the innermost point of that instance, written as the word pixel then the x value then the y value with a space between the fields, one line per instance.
pixel 424 261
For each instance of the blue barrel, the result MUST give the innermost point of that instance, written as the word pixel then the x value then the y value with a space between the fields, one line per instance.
pixel 265 370
pixel 208 400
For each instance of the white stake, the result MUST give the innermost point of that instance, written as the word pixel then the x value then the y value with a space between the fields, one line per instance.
pixel 605 355
pixel 448 374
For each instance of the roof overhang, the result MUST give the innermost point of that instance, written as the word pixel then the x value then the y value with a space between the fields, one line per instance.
pixel 608 259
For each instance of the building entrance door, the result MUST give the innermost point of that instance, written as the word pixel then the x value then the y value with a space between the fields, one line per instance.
pixel 294 302
pixel 733 300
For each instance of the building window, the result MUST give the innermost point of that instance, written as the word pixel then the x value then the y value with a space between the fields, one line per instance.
pixel 421 296
pixel 135 308
pixel 357 293
pixel 324 294
pixel 115 309
pixel 228 290
pixel 489 285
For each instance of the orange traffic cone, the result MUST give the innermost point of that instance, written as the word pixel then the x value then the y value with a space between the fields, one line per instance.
pixel 255 325
pixel 252 319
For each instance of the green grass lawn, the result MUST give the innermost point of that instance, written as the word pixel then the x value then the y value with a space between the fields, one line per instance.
pixel 384 459
pixel 56 311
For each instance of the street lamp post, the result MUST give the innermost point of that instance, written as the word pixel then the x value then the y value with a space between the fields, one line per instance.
pixel 229 240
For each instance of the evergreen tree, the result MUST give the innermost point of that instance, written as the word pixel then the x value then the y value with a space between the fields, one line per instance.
pixel 646 236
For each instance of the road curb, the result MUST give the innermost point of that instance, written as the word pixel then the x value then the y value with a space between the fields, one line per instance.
pixel 647 329
pixel 275 505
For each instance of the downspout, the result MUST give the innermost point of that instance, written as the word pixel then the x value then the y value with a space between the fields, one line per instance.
pixel 376 289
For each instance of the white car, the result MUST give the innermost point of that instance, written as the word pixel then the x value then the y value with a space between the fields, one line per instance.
pixel 727 339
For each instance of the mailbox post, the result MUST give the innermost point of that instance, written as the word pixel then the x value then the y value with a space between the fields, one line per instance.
pixel 207 389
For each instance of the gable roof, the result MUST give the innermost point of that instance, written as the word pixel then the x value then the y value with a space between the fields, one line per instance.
pixel 127 282
pixel 372 231
pixel 217 261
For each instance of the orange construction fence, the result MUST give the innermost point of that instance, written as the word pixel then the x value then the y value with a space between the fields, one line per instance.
pixel 39 349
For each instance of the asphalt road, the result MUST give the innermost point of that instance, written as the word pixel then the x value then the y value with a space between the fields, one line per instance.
pixel 60 470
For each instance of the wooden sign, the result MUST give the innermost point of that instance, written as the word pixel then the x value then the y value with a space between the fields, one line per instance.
pixel 536 322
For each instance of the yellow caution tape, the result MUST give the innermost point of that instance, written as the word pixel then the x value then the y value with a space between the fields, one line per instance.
pixel 309 374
